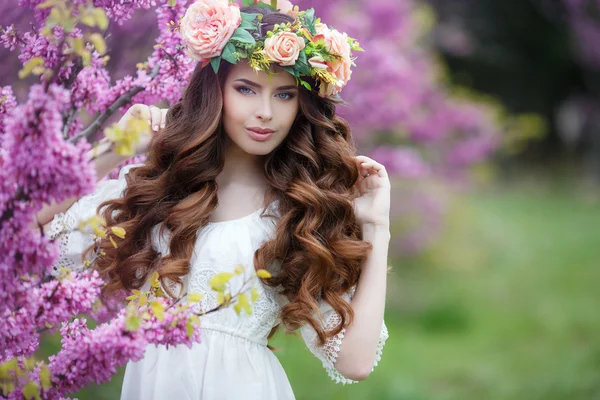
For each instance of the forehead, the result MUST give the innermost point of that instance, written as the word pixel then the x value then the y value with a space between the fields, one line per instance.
pixel 242 70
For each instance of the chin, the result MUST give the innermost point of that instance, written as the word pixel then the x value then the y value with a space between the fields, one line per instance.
pixel 260 150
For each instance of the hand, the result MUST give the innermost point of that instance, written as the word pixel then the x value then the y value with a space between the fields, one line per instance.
pixel 155 117
pixel 372 206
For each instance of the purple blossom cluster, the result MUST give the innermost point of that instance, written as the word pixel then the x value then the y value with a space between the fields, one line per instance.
pixel 38 167
pixel 7 103
pixel 45 306
pixel 93 355
pixel 174 328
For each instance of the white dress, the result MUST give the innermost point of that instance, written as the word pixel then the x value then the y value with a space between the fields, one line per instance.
pixel 232 361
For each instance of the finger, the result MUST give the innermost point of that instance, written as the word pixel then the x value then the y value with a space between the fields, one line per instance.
pixel 374 168
pixel 140 111
pixel 163 120
pixel 156 118
pixel 361 159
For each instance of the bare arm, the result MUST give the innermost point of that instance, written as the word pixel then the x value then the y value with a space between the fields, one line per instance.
pixel 357 352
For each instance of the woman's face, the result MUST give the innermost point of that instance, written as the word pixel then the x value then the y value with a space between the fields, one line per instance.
pixel 258 111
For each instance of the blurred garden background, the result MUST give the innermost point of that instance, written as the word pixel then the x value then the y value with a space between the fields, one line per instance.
pixel 487 113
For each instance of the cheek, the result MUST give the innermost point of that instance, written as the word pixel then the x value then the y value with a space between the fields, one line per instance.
pixel 233 110
pixel 287 113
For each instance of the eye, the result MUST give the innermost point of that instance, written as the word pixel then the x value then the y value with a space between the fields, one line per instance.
pixel 287 95
pixel 244 90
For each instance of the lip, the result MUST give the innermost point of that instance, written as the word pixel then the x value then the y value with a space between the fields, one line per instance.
pixel 260 130
pixel 260 134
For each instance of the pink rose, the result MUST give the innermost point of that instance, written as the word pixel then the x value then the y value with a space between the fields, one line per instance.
pixel 207 26
pixel 317 62
pixel 284 6
pixel 327 89
pixel 284 48
pixel 340 68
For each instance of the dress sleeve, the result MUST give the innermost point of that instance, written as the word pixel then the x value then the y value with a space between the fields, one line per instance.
pixel 73 243
pixel 329 352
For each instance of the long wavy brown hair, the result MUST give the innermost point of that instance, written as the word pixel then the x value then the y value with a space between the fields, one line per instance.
pixel 318 246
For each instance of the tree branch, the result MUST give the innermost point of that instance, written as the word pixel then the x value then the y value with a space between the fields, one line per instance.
pixel 118 103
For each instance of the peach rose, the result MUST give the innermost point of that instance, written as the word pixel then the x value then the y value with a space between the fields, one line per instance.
pixel 284 6
pixel 317 62
pixel 341 68
pixel 284 48
pixel 327 89
pixel 207 26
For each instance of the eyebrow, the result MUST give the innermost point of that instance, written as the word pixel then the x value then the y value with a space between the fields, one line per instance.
pixel 256 85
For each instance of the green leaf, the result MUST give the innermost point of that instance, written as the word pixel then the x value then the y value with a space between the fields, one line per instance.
pixel 217 282
pixel 48 4
pixel 242 35
pixel 45 377
pixel 302 64
pixel 158 310
pixel 309 20
pixel 101 18
pixel 189 329
pixel 247 3
pixel 247 26
pixel 291 70
pixel 214 63
pixel 227 54
pixel 244 303
pixel 263 273
pixel 98 42
pixel 30 66
pixel 154 280
pixel 265 5
pixel 143 300
pixel 133 322
pixel 194 297
pixel 247 17
pixel 31 391
pixel 305 84
pixel 172 3
pixel 254 294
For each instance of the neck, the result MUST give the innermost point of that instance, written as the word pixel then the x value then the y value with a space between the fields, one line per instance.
pixel 241 167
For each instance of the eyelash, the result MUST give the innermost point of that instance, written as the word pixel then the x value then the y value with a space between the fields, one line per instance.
pixel 241 88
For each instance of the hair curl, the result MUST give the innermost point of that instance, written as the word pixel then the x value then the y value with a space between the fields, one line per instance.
pixel 318 246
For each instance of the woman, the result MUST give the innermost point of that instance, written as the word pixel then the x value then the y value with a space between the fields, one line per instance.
pixel 253 168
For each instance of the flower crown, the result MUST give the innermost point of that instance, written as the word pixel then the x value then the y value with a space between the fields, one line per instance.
pixel 216 29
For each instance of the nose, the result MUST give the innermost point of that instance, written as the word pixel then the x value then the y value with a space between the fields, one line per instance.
pixel 264 110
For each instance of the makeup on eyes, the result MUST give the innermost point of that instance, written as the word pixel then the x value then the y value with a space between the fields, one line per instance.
pixel 242 90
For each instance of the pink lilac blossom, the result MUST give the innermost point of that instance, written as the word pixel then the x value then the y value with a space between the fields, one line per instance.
pixel 38 159
pixel 38 45
pixel 93 355
pixel 90 85
pixel 8 38
pixel 7 103
pixel 38 167
pixel 406 163
pixel 49 303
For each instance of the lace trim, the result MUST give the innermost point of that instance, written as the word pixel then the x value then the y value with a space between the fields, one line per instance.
pixel 328 353
pixel 60 228
pixel 72 243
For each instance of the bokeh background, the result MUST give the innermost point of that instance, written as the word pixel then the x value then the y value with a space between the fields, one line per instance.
pixel 487 113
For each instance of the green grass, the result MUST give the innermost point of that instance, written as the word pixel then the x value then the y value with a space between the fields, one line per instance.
pixel 504 307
